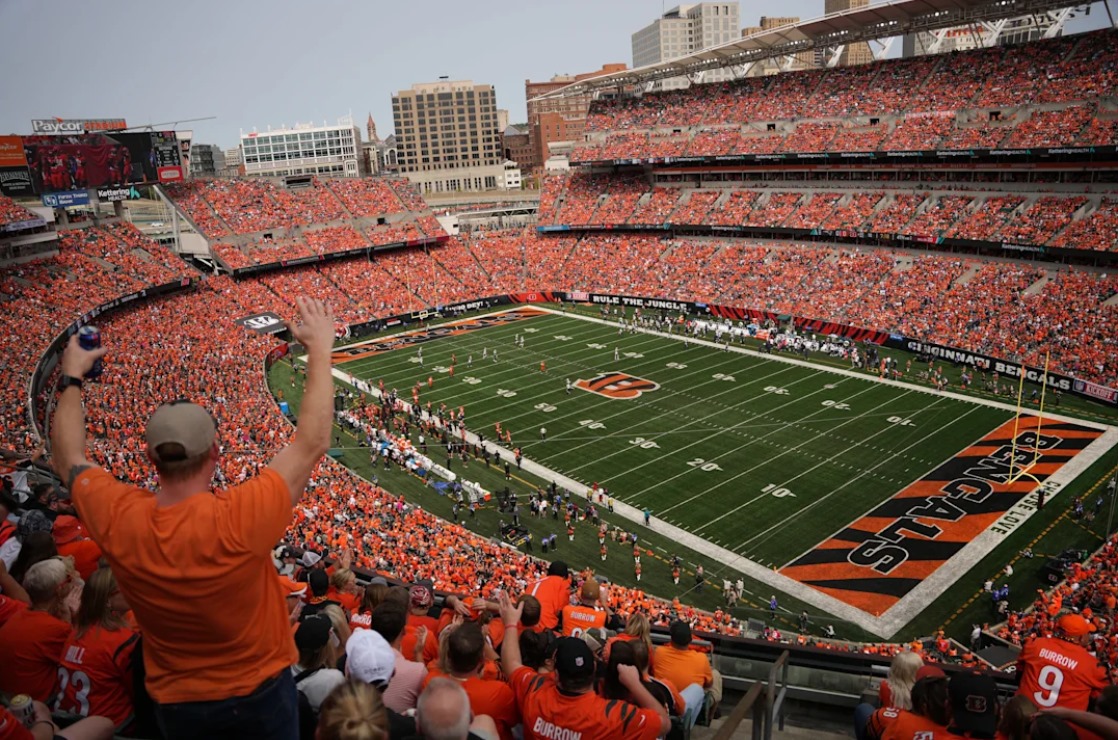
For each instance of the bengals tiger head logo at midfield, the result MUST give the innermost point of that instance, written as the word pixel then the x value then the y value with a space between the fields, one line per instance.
pixel 617 385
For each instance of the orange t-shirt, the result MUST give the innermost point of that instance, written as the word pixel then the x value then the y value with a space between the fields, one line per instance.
pixel 683 667
pixel 349 602
pixel 361 620
pixel 434 626
pixel 8 607
pixel 880 721
pixel 554 593
pixel 1058 673
pixel 487 696
pixel 909 726
pixel 200 579
pixel 547 712
pixel 430 645
pixel 96 674
pixel 31 645
pixel 86 553
pixel 579 618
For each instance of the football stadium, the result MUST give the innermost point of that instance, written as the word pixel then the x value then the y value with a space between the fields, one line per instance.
pixel 787 404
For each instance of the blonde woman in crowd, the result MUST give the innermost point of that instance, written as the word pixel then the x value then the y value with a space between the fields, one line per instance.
pixel 353 711
pixel 896 689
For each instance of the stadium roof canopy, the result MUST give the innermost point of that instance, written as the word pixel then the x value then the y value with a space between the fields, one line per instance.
pixel 885 20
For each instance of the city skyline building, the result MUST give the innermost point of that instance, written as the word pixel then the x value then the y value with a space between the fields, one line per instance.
pixel 305 149
pixel 447 139
pixel 683 30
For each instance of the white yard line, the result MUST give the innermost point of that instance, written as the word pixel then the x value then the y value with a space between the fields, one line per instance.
pixel 722 410
pixel 746 445
pixel 506 366
pixel 803 473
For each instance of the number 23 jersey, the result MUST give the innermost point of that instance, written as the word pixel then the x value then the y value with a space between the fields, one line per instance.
pixel 95 676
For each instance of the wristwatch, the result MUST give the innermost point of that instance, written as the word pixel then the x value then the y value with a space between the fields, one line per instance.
pixel 68 380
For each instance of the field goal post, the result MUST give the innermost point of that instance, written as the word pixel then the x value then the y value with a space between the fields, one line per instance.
pixel 1016 471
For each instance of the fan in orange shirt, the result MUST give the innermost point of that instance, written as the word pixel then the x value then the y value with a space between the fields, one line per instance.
pixel 95 672
pixel 635 653
pixel 375 592
pixel 343 589
pixel 553 593
pixel 32 640
pixel 420 598
pixel 222 633
pixel 589 613
pixel 568 706
pixel 465 651
pixel 880 719
pixel 637 628
pixel 12 596
pixel 70 538
pixel 1060 671
pixel 929 713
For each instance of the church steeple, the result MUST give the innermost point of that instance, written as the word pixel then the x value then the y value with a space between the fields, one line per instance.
pixel 371 129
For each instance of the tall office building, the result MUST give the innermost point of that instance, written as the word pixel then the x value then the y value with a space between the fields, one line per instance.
pixel 557 119
pixel 447 138
pixel 234 163
pixel 853 53
pixel 683 30
pixel 803 60
pixel 206 160
pixel 305 149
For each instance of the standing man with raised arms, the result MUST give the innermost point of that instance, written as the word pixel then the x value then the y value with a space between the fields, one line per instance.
pixel 195 563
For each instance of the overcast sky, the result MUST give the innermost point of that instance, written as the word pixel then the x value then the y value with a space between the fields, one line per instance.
pixel 260 63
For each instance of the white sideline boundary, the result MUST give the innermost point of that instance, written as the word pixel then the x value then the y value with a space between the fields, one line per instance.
pixel 890 622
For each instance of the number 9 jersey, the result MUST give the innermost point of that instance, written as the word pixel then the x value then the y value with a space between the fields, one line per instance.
pixel 1058 673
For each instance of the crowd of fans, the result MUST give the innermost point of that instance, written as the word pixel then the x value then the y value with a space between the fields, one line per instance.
pixel 12 212
pixel 230 206
pixel 1098 230
pixel 260 251
pixel 314 204
pixel 987 219
pixel 950 89
pixel 367 197
pixel 334 239
pixel 1074 125
pixel 594 201
pixel 1088 588
pixel 166 348
pixel 920 104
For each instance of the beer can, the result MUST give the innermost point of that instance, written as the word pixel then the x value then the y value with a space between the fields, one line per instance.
pixel 23 709
pixel 89 337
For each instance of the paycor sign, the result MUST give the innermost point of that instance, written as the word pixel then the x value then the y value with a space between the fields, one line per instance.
pixel 61 126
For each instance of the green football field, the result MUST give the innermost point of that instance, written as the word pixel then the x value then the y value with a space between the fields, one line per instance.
pixel 758 457
pixel 755 455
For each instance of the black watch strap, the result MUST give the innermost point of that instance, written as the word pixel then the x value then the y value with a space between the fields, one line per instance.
pixel 68 380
